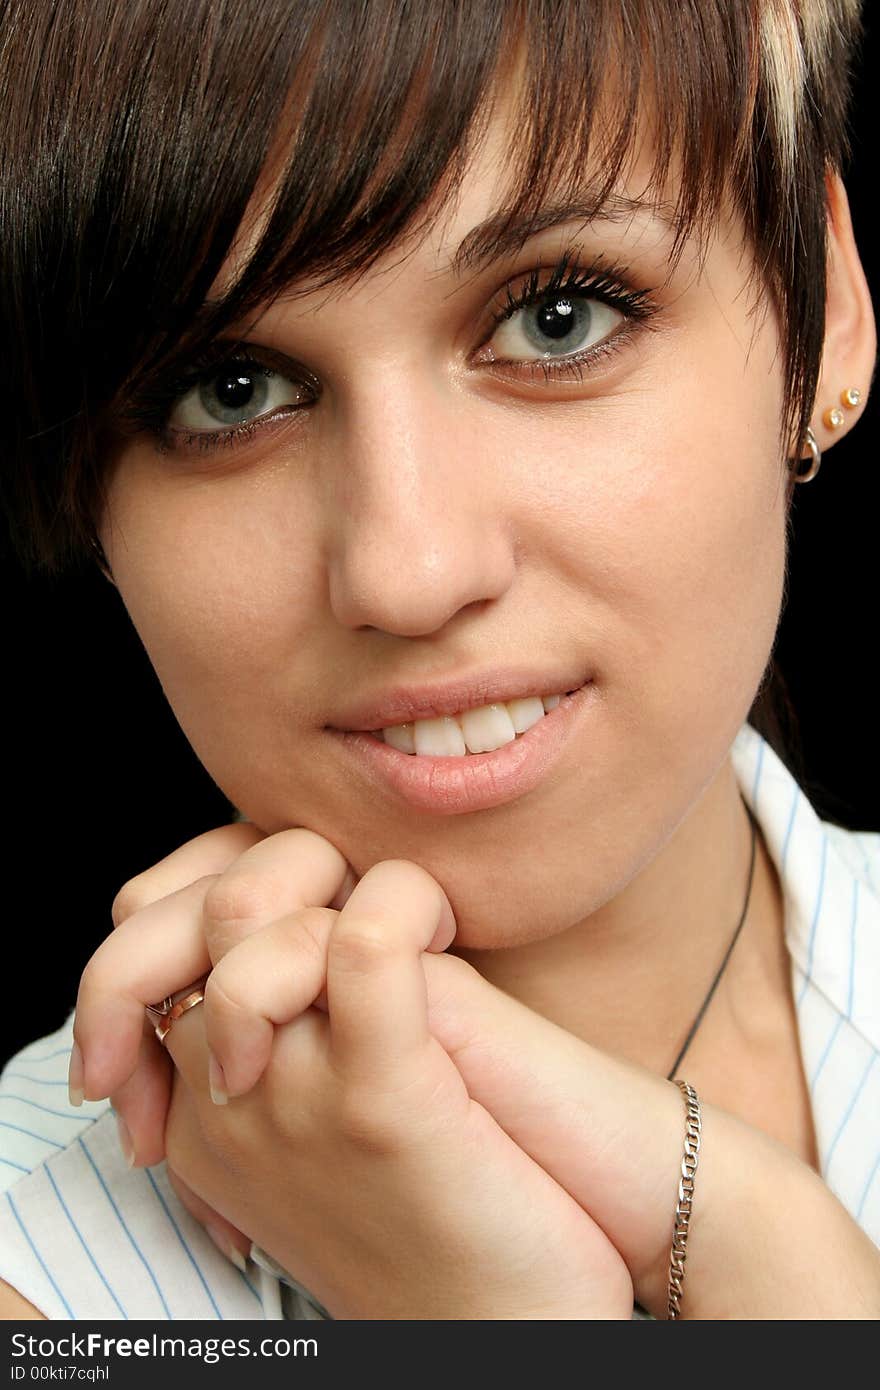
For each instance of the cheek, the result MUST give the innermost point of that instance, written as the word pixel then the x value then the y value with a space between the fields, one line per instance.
pixel 215 581
pixel 671 527
pixel 712 587
pixel 696 580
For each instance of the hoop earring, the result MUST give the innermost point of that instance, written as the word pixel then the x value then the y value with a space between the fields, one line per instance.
pixel 101 559
pixel 815 463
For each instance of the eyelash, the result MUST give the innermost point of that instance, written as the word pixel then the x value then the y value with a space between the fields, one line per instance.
pixel 606 283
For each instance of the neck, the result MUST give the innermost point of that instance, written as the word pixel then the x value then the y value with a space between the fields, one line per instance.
pixel 631 978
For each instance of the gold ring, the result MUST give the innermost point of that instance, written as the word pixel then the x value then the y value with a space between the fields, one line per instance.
pixel 169 1011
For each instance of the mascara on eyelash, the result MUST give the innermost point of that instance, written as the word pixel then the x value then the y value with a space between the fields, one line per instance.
pixel 597 280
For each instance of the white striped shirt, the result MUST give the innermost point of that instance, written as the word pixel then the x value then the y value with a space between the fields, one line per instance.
pixel 83 1237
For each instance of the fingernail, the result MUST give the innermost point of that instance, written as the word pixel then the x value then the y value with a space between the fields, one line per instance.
pixel 125 1140
pixel 76 1076
pixel 216 1081
pixel 226 1247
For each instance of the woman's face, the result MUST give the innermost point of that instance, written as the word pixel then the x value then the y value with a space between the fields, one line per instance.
pixel 435 513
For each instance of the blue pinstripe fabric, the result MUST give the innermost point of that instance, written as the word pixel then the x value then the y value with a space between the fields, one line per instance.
pixel 26 1100
pixel 121 1219
pixel 84 1243
pixel 49 1057
pixel 82 1236
pixel 817 912
pixel 186 1250
pixel 42 1263
pixel 19 1129
pixel 19 1167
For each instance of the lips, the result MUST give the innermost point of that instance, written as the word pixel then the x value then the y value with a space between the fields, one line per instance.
pixel 449 786
pixel 405 704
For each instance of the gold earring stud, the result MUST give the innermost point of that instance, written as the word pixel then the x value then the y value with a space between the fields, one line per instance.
pixel 850 397
pixel 833 418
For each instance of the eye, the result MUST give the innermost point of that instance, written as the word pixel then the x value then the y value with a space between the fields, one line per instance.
pixel 563 323
pixel 235 392
pixel 555 325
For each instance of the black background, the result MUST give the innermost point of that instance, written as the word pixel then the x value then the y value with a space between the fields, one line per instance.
pixel 101 782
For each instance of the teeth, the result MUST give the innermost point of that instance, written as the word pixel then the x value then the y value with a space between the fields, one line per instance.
pixel 473 731
pixel 439 737
pixel 486 728
pixel 400 736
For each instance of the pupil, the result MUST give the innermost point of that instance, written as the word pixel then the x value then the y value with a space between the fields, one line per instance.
pixel 556 319
pixel 234 390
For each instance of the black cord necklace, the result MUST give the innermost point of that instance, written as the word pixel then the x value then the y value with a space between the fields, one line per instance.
pixel 706 1002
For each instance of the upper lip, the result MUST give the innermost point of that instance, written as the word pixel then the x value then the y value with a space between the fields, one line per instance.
pixel 402 704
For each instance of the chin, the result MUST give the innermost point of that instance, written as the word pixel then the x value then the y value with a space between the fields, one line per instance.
pixel 504 930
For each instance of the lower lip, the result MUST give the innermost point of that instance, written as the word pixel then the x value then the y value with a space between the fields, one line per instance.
pixel 478 781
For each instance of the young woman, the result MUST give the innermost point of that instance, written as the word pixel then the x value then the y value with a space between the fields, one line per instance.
pixel 444 378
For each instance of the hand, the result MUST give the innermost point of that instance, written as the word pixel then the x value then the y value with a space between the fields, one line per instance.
pixel 169 924
pixel 133 968
pixel 572 1269
pixel 359 1160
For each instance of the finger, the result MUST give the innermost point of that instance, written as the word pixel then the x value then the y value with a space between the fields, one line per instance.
pixel 209 853
pixel 268 979
pixel 141 1101
pixel 141 1104
pixel 287 871
pixel 375 980
pixel 298 1043
pixel 230 1241
pixel 159 950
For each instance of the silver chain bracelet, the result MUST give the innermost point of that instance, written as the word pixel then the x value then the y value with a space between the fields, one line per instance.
pixel 685 1198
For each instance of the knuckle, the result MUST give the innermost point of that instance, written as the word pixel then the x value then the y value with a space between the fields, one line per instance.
pixel 237 897
pixel 361 944
pixel 131 897
pixel 312 927
pixel 221 990
pixel 146 890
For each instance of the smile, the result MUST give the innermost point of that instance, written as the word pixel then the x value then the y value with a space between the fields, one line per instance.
pixel 459 779
pixel 479 730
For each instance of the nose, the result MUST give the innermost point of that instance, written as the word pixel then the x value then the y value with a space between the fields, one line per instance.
pixel 416 523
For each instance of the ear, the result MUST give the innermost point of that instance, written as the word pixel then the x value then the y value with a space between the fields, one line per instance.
pixel 850 349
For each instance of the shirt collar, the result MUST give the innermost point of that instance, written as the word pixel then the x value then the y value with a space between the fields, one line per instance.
pixel 832 909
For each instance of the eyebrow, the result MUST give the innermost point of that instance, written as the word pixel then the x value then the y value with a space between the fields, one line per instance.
pixel 501 234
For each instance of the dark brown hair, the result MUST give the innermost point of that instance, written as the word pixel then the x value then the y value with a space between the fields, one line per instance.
pixel 134 134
